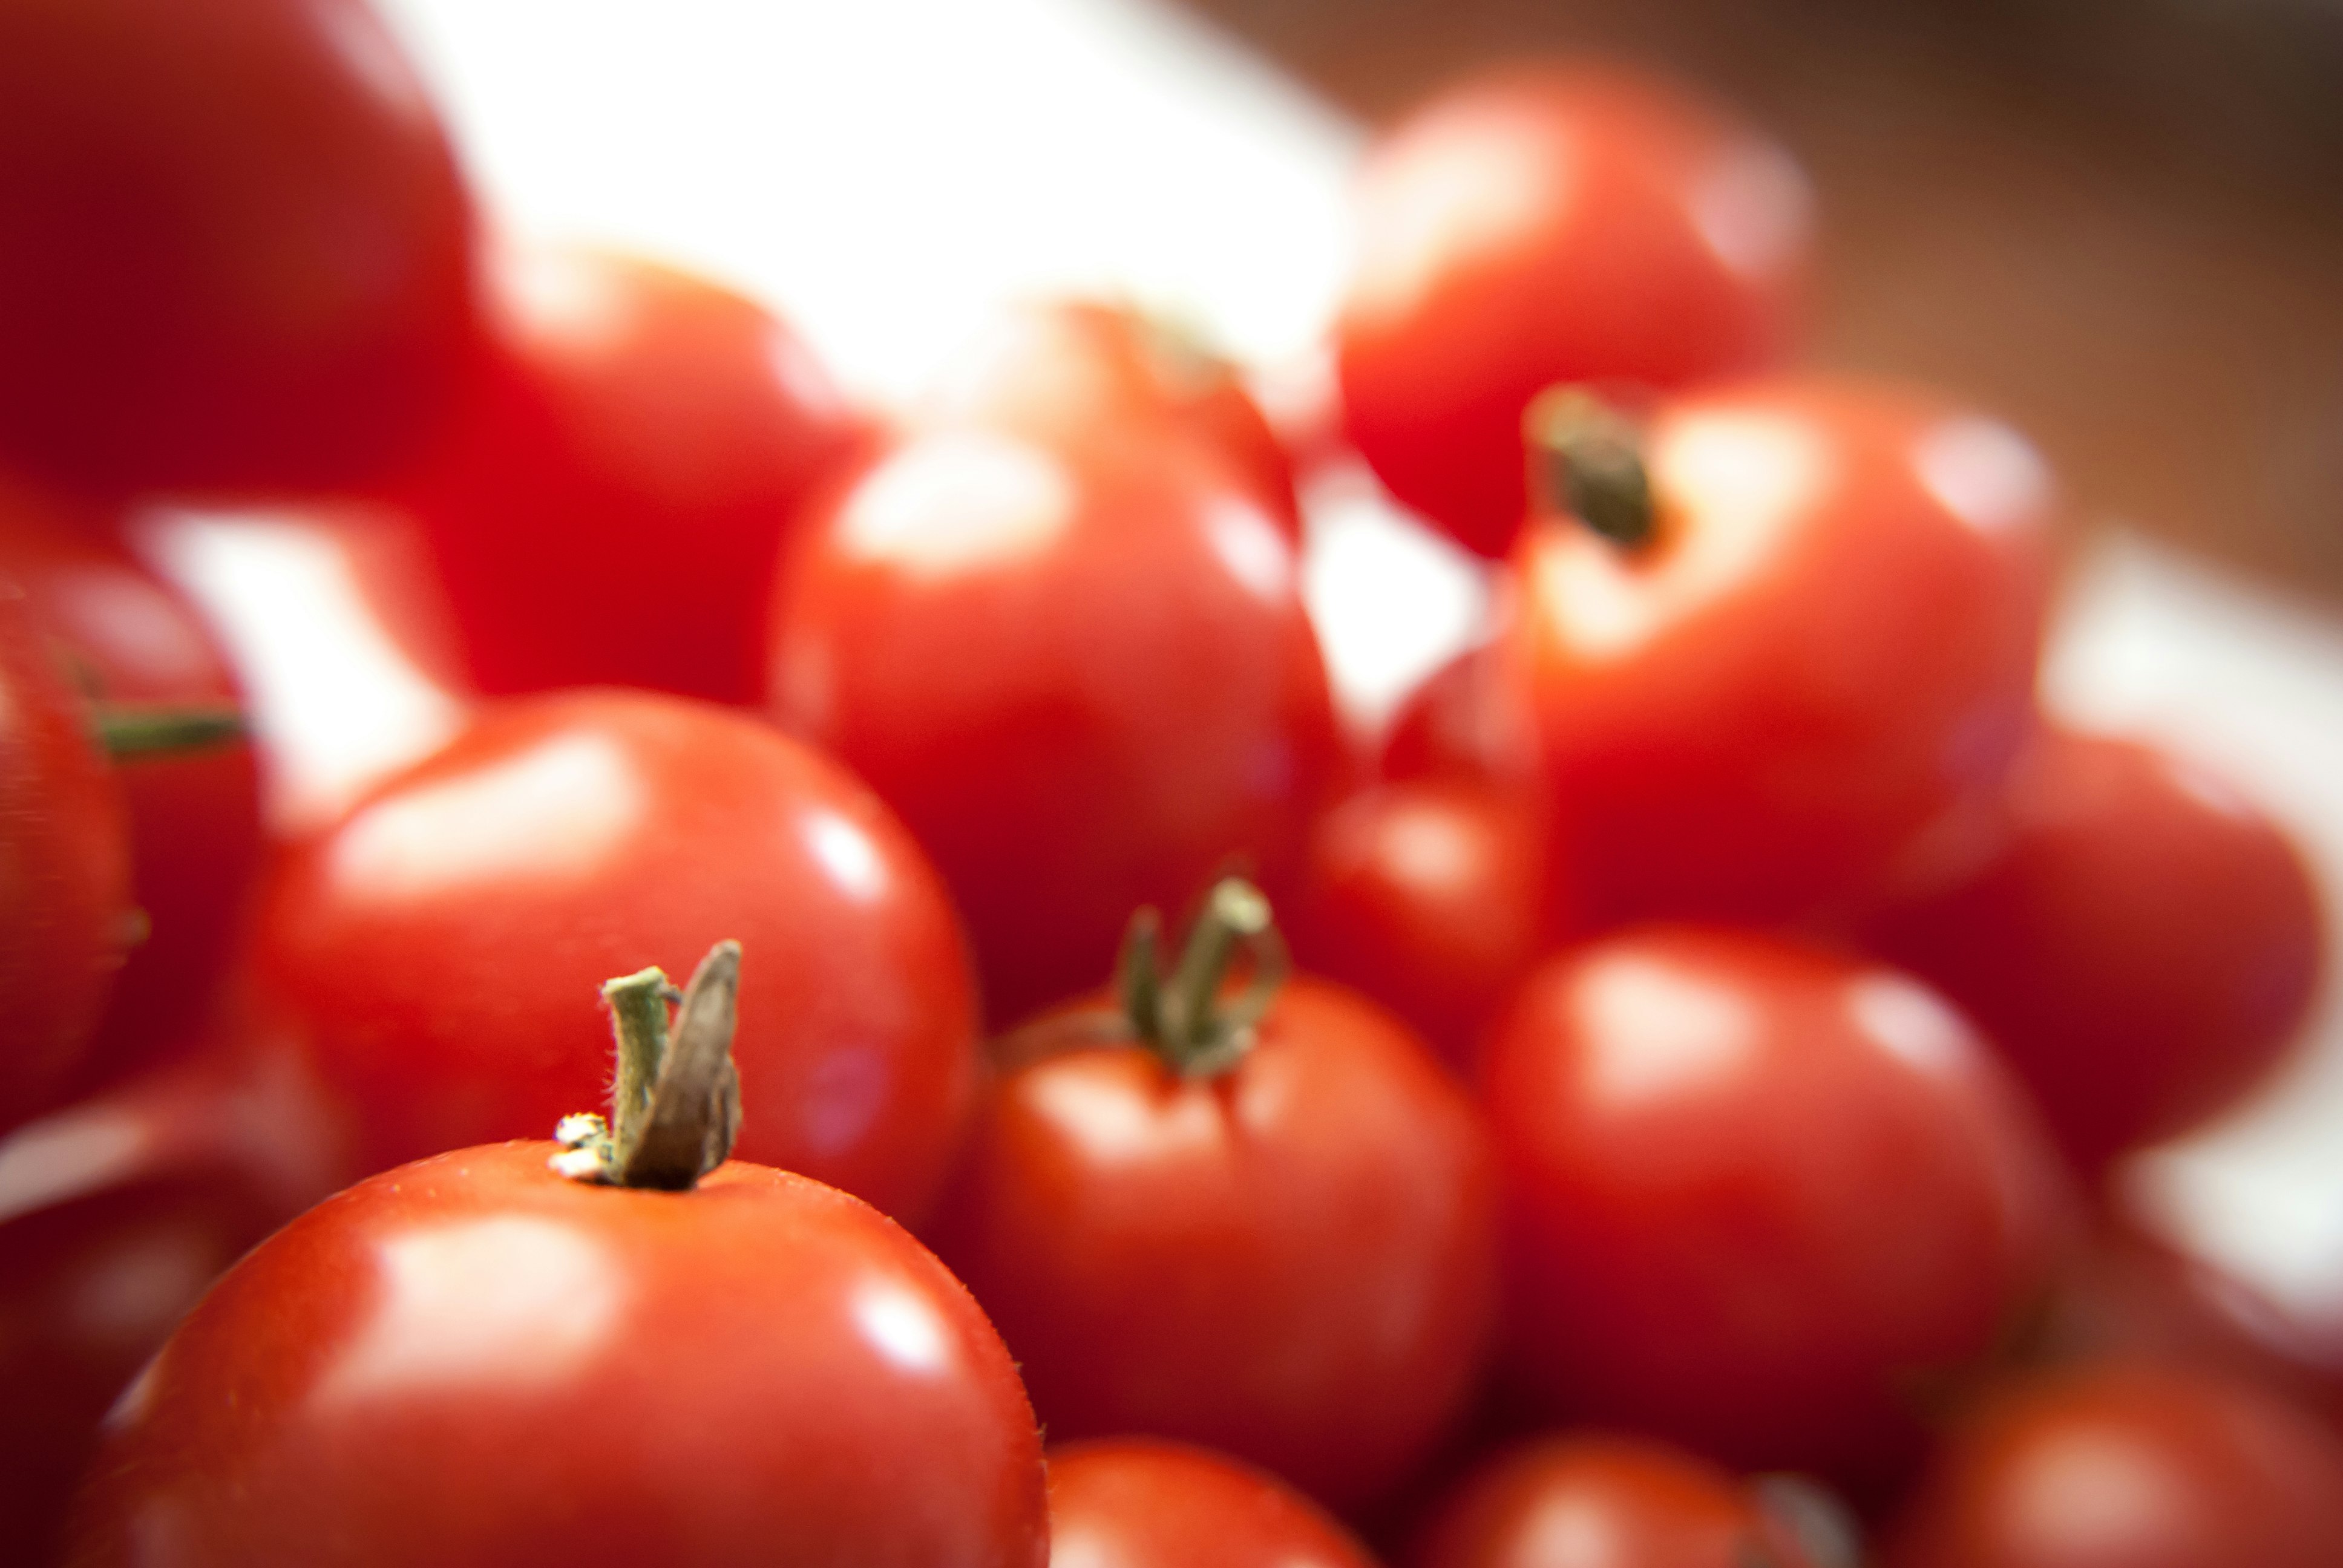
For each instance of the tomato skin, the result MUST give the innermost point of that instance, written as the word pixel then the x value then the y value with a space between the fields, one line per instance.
pixel 1544 224
pixel 566 838
pixel 1140 1502
pixel 613 495
pixel 462 1360
pixel 1629 1502
pixel 1292 1262
pixel 237 250
pixel 1760 1197
pixel 2143 948
pixel 1081 673
pixel 2128 1466
pixel 1830 645
pixel 1469 719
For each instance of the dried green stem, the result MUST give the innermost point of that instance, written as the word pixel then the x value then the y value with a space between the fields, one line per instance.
pixel 675 1105
pixel 1185 1020
pixel 1586 458
pixel 129 730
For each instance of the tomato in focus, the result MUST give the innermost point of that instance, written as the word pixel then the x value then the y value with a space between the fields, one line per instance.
pixel 1140 1502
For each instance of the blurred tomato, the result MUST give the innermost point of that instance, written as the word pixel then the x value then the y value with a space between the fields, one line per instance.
pixel 1142 1503
pixel 235 250
pixel 1469 719
pixel 614 494
pixel 1764 1202
pixel 2145 945
pixel 1546 223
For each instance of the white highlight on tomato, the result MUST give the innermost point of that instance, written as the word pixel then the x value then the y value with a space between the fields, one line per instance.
pixel 956 502
pixel 1656 1029
pixel 1457 188
pixel 1912 1023
pixel 904 1328
pixel 1984 473
pixel 846 853
pixel 1754 209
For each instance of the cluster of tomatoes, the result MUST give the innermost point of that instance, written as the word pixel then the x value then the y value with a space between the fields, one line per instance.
pixel 1649 1110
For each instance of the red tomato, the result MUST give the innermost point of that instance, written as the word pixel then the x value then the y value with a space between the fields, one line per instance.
pixel 613 496
pixel 1762 1200
pixel 1548 224
pixel 115 1215
pixel 140 648
pixel 237 251
pixel 563 838
pixel 1283 1248
pixel 66 915
pixel 1431 898
pixel 1826 643
pixel 2143 948
pixel 1081 672
pixel 1600 1501
pixel 1140 1502
pixel 472 1361
pixel 2138 1466
pixel 1469 719
pixel 1066 369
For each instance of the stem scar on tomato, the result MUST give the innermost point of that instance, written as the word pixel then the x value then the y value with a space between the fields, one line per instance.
pixel 675 1108
pixel 1586 458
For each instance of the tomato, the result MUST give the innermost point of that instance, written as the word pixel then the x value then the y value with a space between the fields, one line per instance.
pixel 142 653
pixel 1595 1500
pixel 236 251
pixel 1270 1235
pixel 1545 224
pixel 1764 1201
pixel 115 1214
pixel 1469 719
pixel 464 1359
pixel 2139 1465
pixel 559 838
pixel 610 503
pixel 1430 897
pixel 2143 947
pixel 1140 1502
pixel 1082 671
pixel 1062 367
pixel 1825 642
pixel 66 915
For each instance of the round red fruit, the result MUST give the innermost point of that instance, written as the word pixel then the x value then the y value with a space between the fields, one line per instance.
pixel 1140 1502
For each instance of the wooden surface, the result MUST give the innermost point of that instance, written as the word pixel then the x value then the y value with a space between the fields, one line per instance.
pixel 2121 225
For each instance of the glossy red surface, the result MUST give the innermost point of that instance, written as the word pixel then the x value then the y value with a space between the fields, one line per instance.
pixel 1764 1201
pixel 1293 1262
pixel 237 251
pixel 468 1361
pixel 1142 1503
pixel 441 950
pixel 1548 224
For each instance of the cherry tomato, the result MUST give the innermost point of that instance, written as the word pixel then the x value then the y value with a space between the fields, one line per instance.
pixel 1548 224
pixel 1063 368
pixel 236 250
pixel 141 652
pixel 1276 1239
pixel 2129 1466
pixel 1764 1201
pixel 1431 898
pixel 1081 672
pixel 1827 641
pixel 64 869
pixel 115 1215
pixel 1140 1502
pixel 563 838
pixel 2143 948
pixel 611 501
pixel 472 1361
pixel 1592 1501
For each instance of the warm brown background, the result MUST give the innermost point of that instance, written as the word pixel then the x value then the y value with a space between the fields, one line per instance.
pixel 2118 222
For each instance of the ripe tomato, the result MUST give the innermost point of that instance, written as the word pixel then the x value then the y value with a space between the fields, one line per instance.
pixel 236 250
pixel 1431 898
pixel 1469 719
pixel 1081 672
pixel 1548 224
pixel 64 869
pixel 1060 369
pixel 1826 642
pixel 2143 947
pixel 1139 1503
pixel 142 652
pixel 1591 1501
pixel 1275 1238
pixel 115 1215
pixel 613 495
pixel 1762 1200
pixel 562 838
pixel 2139 1465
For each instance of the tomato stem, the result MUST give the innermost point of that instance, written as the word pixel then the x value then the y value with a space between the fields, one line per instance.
pixel 1185 1020
pixel 1586 458
pixel 675 1106
pixel 129 730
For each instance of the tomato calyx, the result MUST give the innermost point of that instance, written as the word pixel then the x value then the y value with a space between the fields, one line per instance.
pixel 125 731
pixel 1181 1017
pixel 675 1108
pixel 1586 459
